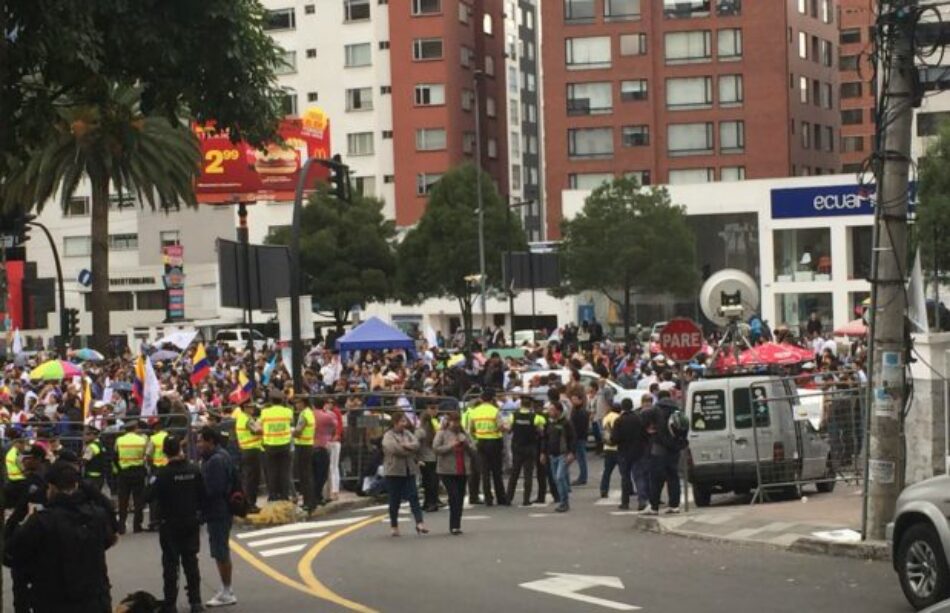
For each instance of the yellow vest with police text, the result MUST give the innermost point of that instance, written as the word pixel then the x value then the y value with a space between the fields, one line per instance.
pixel 130 450
pixel 306 435
pixel 276 422
pixel 484 421
pixel 247 440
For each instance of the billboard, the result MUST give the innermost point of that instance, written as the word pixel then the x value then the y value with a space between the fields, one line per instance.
pixel 238 172
pixel 173 256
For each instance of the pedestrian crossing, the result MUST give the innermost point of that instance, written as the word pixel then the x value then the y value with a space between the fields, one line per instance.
pixel 263 541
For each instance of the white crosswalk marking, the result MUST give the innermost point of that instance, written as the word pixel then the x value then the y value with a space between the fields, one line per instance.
pixel 379 507
pixel 613 498
pixel 287 539
pixel 306 525
pixel 269 553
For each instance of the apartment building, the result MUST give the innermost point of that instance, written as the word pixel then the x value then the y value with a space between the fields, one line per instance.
pixel 687 92
pixel 856 25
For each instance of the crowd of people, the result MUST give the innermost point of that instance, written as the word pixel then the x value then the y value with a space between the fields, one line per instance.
pixel 446 423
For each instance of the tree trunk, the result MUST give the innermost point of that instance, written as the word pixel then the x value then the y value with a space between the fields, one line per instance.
pixel 340 317
pixel 99 296
pixel 466 308
pixel 626 312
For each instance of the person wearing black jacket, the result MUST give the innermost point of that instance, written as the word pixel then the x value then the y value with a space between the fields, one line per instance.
pixel 219 478
pixel 559 444
pixel 526 429
pixel 31 490
pixel 664 454
pixel 629 436
pixel 178 491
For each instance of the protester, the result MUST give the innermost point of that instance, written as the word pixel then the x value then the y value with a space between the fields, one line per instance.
pixel 426 433
pixel 609 449
pixel 325 429
pixel 560 441
pixel 665 446
pixel 400 447
pixel 454 450
pixel 219 478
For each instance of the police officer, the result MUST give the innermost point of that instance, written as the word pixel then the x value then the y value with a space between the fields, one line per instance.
pixel 95 465
pixel 277 426
pixel 130 461
pixel 304 433
pixel 13 466
pixel 475 471
pixel 156 459
pixel 486 426
pixel 249 439
pixel 177 490
pixel 526 429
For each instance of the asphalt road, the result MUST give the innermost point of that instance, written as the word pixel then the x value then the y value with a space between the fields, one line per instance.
pixel 349 562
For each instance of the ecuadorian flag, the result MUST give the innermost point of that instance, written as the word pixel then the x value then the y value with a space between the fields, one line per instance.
pixel 243 390
pixel 201 366
pixel 139 383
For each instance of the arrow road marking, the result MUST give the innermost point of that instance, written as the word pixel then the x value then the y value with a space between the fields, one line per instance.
pixel 567 586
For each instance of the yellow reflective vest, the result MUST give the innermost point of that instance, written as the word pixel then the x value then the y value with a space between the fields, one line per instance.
pixel 309 430
pixel 14 472
pixel 159 458
pixel 130 450
pixel 484 421
pixel 247 440
pixel 276 422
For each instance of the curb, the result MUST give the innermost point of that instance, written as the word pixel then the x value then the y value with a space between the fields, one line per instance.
pixel 878 551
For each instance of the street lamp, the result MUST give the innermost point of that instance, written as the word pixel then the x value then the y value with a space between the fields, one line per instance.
pixel 478 196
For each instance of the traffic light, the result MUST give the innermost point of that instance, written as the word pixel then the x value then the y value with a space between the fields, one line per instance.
pixel 16 224
pixel 339 177
pixel 72 323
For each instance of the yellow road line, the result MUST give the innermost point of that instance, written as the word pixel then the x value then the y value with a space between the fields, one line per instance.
pixel 305 568
pixel 311 586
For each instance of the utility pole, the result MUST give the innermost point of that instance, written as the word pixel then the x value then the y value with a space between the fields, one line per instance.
pixel 482 288
pixel 885 474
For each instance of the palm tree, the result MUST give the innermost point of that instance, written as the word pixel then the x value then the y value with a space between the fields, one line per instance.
pixel 113 144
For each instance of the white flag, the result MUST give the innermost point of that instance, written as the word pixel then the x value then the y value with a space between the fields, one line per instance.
pixel 917 307
pixel 431 337
pixel 17 342
pixel 150 391
pixel 285 355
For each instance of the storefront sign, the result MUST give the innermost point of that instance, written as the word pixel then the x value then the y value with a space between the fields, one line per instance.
pixel 828 201
pixel 174 279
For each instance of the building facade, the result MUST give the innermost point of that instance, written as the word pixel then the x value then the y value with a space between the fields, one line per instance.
pixel 687 92
pixel 856 37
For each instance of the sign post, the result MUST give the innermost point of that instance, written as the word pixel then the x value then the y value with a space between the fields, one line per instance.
pixel 681 339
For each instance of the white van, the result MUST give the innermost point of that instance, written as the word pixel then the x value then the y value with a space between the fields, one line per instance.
pixel 236 338
pixel 722 441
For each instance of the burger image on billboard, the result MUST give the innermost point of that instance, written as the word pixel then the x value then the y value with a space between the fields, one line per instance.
pixel 276 160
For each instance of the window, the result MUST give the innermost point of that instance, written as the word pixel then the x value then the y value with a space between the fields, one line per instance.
pixel 427 7
pixel 77 207
pixel 635 89
pixel 468 142
pixel 852 144
pixel 853 117
pixel 492 147
pixel 633 44
pixel 731 136
pixel 311 53
pixel 801 254
pixel 928 124
pixel 635 136
pixel 732 173
pixel 850 36
pixel 123 242
pixel 487 24
pixel 365 186
pixel 825 51
pixel 803 45
pixel 806 135
pixel 742 407
pixel 425 181
pixel 515 176
pixel 728 8
pixel 685 176
pixel 578 10
pixel 589 98
pixel 288 63
pixel 708 412
pixel 826 13
pixel 468 99
pixel 465 12
pixel 151 300
pixel 689 93
pixel 279 19
pixel 359 143
pixel 588 180
pixel 730 90
pixel 851 90
pixel 383 45
pixel 615 10
pixel 815 92
pixel 642 176
pixel 815 54
pixel 168 238
pixel 689 138
pixel 359 99
pixel 847 62
pixel 515 145
pixel 355 10
pixel 430 139
pixel 591 52
pixel 427 49
pixel 829 139
pixel 590 142
pixel 826 95
pixel 685 9
pixel 803 90
pixel 430 94
pixel 385 90
pixel 490 109
pixel 118 301
pixel 682 47
pixel 74 246
pixel 465 55
pixel 359 54
pixel 861 248
pixel 513 111
pixel 312 96
pixel 309 9
pixel 730 44
pixel 387 134
pixel 288 102
pixel 489 65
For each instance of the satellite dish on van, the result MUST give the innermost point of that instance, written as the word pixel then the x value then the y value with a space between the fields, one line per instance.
pixel 728 296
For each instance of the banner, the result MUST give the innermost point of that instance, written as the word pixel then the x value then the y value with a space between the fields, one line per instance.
pixel 174 278
pixel 238 172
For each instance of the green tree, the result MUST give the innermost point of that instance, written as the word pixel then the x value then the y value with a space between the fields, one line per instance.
pixel 346 252
pixel 629 238
pixel 115 146
pixel 933 211
pixel 442 249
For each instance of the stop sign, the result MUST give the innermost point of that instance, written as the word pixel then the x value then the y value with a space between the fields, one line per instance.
pixel 681 339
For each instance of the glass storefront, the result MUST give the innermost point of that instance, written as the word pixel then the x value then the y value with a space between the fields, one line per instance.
pixel 793 310
pixel 726 241
pixel 860 250
pixel 802 254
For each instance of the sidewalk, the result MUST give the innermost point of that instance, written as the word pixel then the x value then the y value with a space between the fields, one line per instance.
pixel 815 523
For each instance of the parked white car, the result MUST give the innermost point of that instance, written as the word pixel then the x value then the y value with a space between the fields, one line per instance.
pixel 236 338
pixel 587 376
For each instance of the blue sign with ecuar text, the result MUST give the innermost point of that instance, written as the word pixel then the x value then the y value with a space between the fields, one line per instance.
pixel 827 201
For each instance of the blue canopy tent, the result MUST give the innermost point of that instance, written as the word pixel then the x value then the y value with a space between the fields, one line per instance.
pixel 375 334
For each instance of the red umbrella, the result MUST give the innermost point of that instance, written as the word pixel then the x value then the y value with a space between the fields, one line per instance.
pixel 782 354
pixel 853 328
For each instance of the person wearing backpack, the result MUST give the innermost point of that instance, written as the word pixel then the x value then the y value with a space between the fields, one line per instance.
pixel 219 477
pixel 76 578
pixel 668 437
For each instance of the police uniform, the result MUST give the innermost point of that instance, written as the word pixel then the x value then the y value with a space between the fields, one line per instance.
pixel 485 424
pixel 130 460
pixel 250 445
pixel 525 435
pixel 95 465
pixel 156 460
pixel 303 457
pixel 276 426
